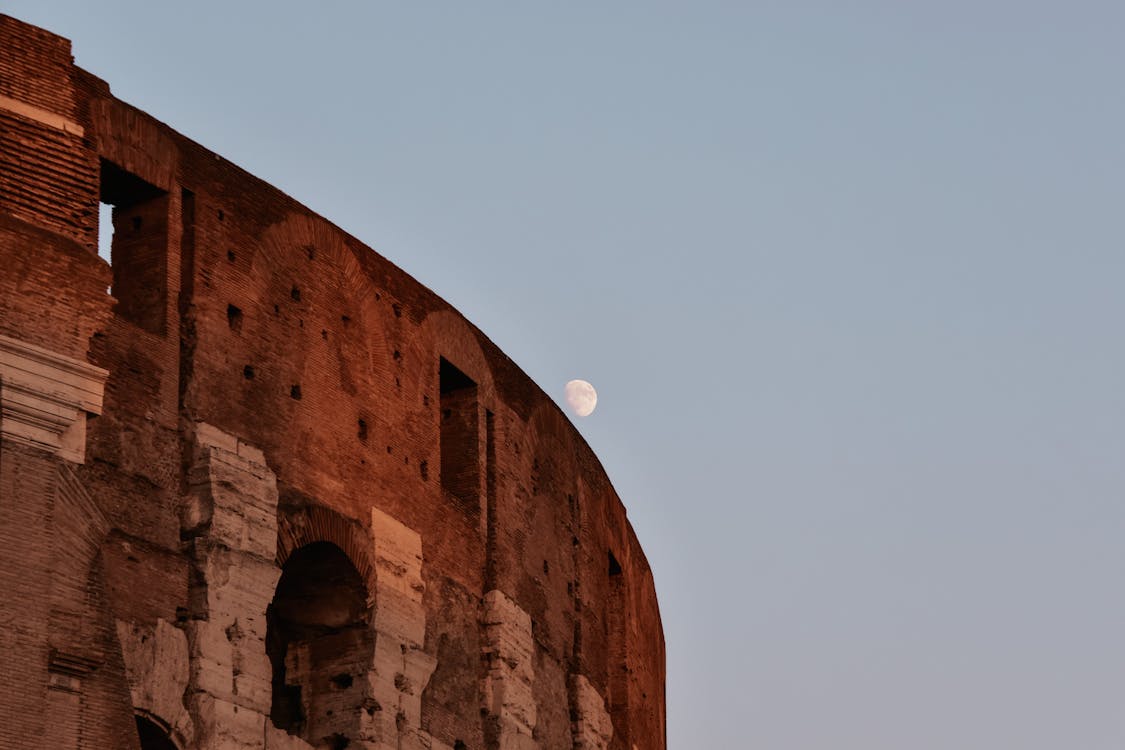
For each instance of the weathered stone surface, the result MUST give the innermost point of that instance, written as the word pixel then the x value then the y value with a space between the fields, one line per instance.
pixel 508 653
pixel 593 728
pixel 157 668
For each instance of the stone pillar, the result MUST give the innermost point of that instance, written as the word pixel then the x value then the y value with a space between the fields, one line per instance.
pixel 230 515
pixel 507 695
pixel 401 669
pixel 157 668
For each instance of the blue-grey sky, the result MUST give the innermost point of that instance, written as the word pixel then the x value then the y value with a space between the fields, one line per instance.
pixel 847 276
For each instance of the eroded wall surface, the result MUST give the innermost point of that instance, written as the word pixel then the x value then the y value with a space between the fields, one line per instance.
pixel 249 401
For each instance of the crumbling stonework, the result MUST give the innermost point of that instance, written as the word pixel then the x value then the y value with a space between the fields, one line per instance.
pixel 268 491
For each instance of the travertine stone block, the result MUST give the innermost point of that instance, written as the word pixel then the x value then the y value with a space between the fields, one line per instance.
pixel 279 739
pixel 222 725
pixel 231 509
pixel 401 669
pixel 157 668
pixel 592 726
pixel 509 649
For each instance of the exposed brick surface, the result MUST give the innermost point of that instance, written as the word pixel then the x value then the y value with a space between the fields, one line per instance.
pixel 273 384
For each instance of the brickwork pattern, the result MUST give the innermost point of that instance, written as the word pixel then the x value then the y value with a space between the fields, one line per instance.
pixel 269 384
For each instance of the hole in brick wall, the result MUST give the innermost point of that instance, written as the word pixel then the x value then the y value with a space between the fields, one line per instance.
pixel 459 745
pixel 310 251
pixel 397 308
pixel 460 432
pixel 614 566
pixel 230 255
pixel 338 742
pixel 295 293
pixel 221 215
pixel 234 318
pixel 361 430
pixel 546 568
pixel 345 320
pixel 424 469
pixel 276 309
pixel 248 372
pixel 317 637
pixel 397 355
pixel 134 228
pixel 295 392
pixel 324 333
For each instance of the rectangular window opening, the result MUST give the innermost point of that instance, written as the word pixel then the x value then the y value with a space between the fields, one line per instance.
pixel 133 233
pixel 460 434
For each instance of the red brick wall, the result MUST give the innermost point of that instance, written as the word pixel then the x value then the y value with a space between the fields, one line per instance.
pixel 249 312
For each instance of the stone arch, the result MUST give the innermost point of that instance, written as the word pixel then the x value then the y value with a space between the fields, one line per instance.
pixel 447 334
pixel 315 523
pixel 321 645
pixel 281 264
pixel 315 302
pixel 154 733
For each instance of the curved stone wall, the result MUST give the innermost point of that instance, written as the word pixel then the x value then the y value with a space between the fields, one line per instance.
pixel 247 381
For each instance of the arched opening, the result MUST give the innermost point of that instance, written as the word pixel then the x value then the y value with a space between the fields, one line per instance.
pixel 320 646
pixel 153 736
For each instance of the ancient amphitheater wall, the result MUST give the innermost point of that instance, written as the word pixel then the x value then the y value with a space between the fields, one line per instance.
pixel 259 488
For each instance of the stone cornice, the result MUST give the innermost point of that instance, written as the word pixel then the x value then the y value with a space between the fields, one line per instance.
pixel 45 396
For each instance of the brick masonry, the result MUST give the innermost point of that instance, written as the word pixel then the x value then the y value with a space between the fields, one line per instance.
pixel 261 489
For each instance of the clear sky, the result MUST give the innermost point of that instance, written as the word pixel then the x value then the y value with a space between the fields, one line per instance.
pixel 847 276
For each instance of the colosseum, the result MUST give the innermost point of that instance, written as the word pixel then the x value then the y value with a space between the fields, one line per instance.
pixel 259 488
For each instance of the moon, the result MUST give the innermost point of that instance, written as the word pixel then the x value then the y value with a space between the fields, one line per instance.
pixel 582 397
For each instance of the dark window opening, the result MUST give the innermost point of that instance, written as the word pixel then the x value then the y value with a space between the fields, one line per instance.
pixel 135 230
pixel 460 434
pixel 614 566
pixel 153 736
pixel 319 646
